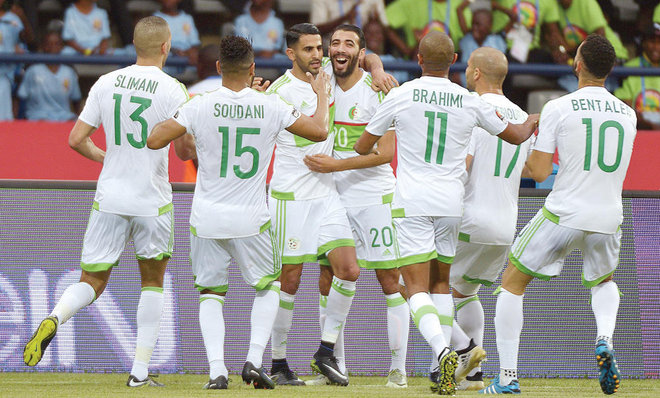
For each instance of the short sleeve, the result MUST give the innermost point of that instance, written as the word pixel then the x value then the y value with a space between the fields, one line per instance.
pixel 384 116
pixel 287 114
pixel 179 97
pixel 106 25
pixel 546 140
pixel 75 88
pixel 24 89
pixel 91 113
pixel 488 118
pixel 186 115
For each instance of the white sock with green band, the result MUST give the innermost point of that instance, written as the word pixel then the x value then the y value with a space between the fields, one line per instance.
pixel 339 345
pixel 445 306
pixel 508 326
pixel 605 305
pixel 425 316
pixel 75 297
pixel 398 325
pixel 149 312
pixel 264 311
pixel 282 325
pixel 470 317
pixel 212 325
pixel 340 299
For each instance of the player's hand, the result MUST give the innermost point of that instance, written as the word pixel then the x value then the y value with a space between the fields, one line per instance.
pixel 383 81
pixel 259 84
pixel 320 83
pixel 321 163
pixel 534 118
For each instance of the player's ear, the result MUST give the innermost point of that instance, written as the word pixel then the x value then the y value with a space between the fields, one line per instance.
pixel 290 54
pixel 420 59
pixel 218 67
pixel 252 69
pixel 455 58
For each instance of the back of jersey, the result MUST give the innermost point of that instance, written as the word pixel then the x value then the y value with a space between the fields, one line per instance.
pixel 433 119
pixel 235 135
pixel 593 132
pixel 129 102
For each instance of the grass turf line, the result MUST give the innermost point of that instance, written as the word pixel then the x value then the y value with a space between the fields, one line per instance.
pixel 35 384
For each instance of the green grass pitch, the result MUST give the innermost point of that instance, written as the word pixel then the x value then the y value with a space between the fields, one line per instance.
pixel 33 385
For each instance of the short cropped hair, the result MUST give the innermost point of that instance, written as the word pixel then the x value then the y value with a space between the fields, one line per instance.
pixel 598 55
pixel 236 54
pixel 149 34
pixel 354 29
pixel 297 30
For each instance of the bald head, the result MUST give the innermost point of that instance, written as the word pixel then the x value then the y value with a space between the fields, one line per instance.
pixel 437 52
pixel 149 35
pixel 492 64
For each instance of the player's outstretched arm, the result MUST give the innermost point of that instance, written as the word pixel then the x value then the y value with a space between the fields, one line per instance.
pixel 516 134
pixel 365 143
pixel 321 163
pixel 539 165
pixel 164 133
pixel 80 141
pixel 380 80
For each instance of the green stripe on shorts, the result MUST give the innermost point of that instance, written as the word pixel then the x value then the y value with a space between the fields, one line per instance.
pixel 417 258
pixel 325 248
pixel 528 271
pixel 98 267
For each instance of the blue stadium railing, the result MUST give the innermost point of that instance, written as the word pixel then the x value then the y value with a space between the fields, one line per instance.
pixel 409 66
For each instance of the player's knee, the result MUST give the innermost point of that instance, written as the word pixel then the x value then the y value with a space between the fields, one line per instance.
pixel 389 280
pixel 290 282
pixel 348 273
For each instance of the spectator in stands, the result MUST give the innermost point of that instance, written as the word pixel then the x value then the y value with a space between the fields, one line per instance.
pixel 642 93
pixel 49 90
pixel 262 28
pixel 375 38
pixel 535 37
pixel 185 38
pixel 11 29
pixel 416 18
pixel 480 34
pixel 207 71
pixel 328 14
pixel 86 28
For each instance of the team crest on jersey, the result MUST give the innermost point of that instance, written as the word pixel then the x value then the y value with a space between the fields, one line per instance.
pixel 186 28
pixel 98 25
pixel 354 112
pixel 66 83
pixel 293 243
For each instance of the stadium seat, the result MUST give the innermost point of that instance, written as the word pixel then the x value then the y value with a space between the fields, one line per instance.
pixel 536 99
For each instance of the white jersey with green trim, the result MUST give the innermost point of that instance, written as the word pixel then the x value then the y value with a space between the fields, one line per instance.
pixel 235 136
pixel 491 191
pixel 292 180
pixel 433 119
pixel 129 102
pixel 353 110
pixel 593 132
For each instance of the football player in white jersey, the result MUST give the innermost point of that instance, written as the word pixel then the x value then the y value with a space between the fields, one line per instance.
pixel 310 221
pixel 229 216
pixel 133 197
pixel 433 119
pixel 489 217
pixel 593 132
pixel 365 185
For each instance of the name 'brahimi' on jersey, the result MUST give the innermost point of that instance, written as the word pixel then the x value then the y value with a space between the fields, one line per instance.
pixel 433 119
pixel 235 136
pixel 129 102
pixel 593 132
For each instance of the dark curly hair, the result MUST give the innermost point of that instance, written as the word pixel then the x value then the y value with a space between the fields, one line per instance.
pixel 236 54
pixel 598 55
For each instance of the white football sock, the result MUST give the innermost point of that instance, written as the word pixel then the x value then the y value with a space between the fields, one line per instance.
pixel 398 325
pixel 425 316
pixel 605 305
pixel 459 340
pixel 75 297
pixel 508 325
pixel 282 325
pixel 212 324
pixel 340 299
pixel 445 306
pixel 470 317
pixel 149 312
pixel 264 311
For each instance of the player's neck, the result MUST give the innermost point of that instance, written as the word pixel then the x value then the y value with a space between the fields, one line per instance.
pixel 490 90
pixel 84 7
pixel 235 84
pixel 142 61
pixel 590 82
pixel 347 82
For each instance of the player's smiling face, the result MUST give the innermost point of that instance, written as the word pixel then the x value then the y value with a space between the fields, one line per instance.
pixel 308 53
pixel 345 52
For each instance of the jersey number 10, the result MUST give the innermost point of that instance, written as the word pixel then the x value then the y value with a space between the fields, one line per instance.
pixel 601 145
